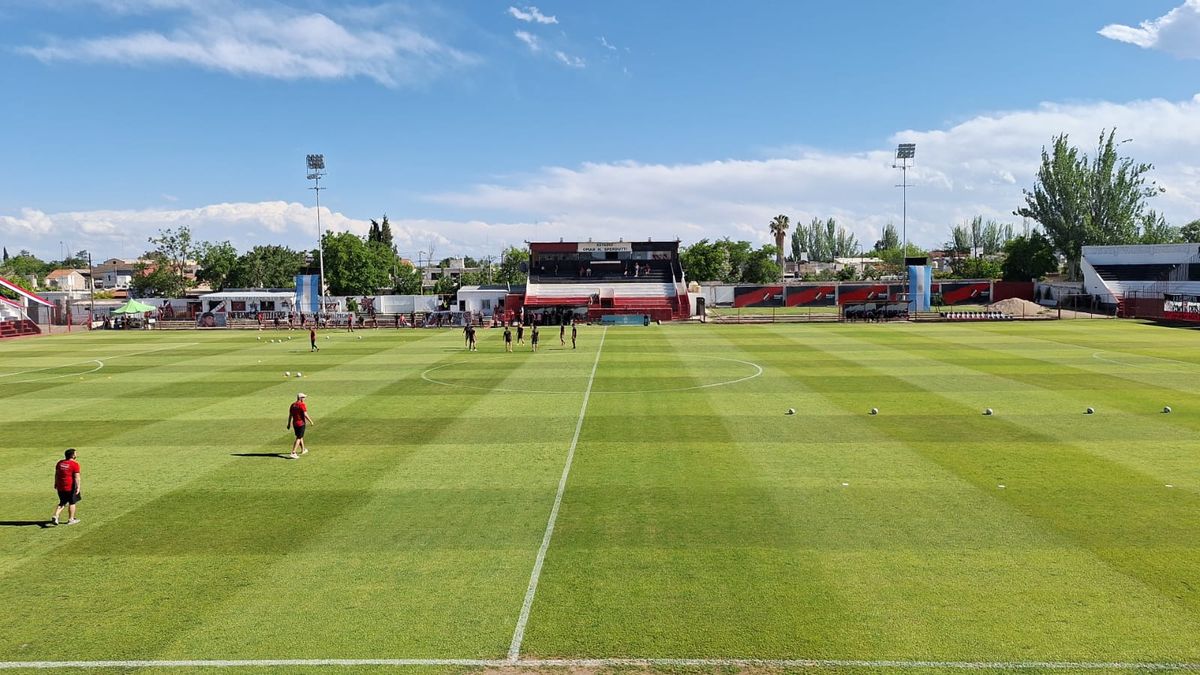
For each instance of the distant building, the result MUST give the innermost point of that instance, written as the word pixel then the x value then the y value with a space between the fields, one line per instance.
pixel 67 280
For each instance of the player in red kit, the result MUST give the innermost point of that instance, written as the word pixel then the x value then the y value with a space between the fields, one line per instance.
pixel 298 421
pixel 66 483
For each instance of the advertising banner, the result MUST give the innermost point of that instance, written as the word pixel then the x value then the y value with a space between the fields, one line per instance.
pixel 811 296
pixel 758 296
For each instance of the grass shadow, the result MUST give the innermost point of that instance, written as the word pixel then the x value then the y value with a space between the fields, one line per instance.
pixel 25 523
pixel 277 455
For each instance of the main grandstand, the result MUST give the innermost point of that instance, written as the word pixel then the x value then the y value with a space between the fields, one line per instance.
pixel 1139 278
pixel 591 280
pixel 14 322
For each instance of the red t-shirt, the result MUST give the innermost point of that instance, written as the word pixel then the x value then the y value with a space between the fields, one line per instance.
pixel 298 410
pixel 64 474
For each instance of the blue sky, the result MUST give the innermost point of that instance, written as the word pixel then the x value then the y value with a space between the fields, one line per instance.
pixel 479 124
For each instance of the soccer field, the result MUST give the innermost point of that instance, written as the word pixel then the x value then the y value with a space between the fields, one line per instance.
pixel 689 517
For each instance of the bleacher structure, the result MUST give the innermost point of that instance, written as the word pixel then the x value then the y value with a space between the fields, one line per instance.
pixel 14 321
pixel 1138 278
pixel 597 279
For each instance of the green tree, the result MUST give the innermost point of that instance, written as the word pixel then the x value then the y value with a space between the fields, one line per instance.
pixel 847 273
pixel 25 264
pixel 381 231
pixel 154 277
pixel 890 239
pixel 1191 232
pixel 174 250
pixel 217 261
pixel 354 266
pixel 760 266
pixel 1155 230
pixel 266 267
pixel 408 279
pixel 5 254
pixel 895 256
pixel 704 261
pixel 1028 257
pixel 510 266
pixel 1081 201
pixel 960 240
pixel 976 268
pixel 779 228
pixel 445 284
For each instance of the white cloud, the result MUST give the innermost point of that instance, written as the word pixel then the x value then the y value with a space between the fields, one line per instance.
pixel 531 15
pixel 271 41
pixel 606 44
pixel 568 60
pixel 976 167
pixel 529 39
pixel 1177 32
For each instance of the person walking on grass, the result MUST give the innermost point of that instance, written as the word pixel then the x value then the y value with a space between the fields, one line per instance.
pixel 507 338
pixel 533 337
pixel 66 483
pixel 298 421
pixel 472 345
pixel 574 333
pixel 521 333
pixel 562 335
pixel 312 339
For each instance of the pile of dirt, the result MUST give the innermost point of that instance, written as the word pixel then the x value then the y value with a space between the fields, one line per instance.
pixel 1018 307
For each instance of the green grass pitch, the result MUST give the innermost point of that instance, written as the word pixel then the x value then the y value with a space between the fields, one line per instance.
pixel 698 520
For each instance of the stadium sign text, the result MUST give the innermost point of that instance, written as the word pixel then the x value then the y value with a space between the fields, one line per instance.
pixel 605 247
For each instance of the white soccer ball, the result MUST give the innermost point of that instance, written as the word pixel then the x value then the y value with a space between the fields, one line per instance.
pixel 874 411
pixel 1166 408
pixel 259 337
pixel 791 411
pixel 359 337
pixel 287 373
pixel 1090 411
pixel 987 411
pixel 299 374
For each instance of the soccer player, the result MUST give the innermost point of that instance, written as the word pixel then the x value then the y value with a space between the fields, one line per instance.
pixel 471 344
pixel 312 339
pixel 521 333
pixel 574 333
pixel 507 338
pixel 562 335
pixel 298 421
pixel 66 483
pixel 533 337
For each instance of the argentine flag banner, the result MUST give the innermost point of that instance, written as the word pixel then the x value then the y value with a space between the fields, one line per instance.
pixel 308 293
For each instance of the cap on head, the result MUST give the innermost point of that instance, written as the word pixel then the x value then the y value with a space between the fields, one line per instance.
pixel 301 395
pixel 70 453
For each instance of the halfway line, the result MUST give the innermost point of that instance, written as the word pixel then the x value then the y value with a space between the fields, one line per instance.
pixel 514 649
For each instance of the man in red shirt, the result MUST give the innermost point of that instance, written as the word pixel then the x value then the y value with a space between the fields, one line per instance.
pixel 66 483
pixel 298 421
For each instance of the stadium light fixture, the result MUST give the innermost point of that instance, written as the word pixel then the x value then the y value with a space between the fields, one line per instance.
pixel 905 153
pixel 316 170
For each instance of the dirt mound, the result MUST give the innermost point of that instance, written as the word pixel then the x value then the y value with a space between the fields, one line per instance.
pixel 1018 307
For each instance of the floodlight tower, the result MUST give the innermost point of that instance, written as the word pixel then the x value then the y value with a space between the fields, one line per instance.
pixel 316 169
pixel 905 152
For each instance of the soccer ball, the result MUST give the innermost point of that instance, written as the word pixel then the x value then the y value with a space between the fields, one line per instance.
pixel 1166 408
pixel 287 373
pixel 259 337
pixel 791 411
pixel 359 337
pixel 874 411
pixel 299 374
pixel 987 411
pixel 1090 411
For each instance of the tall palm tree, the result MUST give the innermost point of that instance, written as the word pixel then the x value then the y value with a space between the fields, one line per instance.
pixel 779 228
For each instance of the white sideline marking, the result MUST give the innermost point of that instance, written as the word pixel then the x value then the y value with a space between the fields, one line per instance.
pixel 514 649
pixel 613 663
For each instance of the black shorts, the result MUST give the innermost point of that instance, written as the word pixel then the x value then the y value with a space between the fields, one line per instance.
pixel 68 497
pixel 299 430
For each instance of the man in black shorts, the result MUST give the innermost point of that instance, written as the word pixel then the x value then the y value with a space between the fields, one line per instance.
pixel 521 333
pixel 533 337
pixel 66 484
pixel 507 338
pixel 573 335
pixel 471 344
pixel 299 421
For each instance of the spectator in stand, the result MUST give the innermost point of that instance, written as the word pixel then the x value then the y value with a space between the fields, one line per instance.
pixel 66 483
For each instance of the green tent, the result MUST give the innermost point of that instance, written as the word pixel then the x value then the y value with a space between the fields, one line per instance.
pixel 133 307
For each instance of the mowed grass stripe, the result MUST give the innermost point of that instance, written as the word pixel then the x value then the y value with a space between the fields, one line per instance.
pixel 165 512
pixel 617 580
pixel 1103 508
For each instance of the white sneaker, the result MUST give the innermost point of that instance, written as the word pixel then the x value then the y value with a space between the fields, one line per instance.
pixel 293 456
pixel 54 519
pixel 73 521
pixel 304 451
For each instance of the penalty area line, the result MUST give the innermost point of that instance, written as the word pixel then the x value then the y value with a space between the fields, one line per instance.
pixel 612 663
pixel 514 649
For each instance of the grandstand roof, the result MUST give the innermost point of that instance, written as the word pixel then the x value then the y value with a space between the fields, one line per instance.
pixel 5 283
